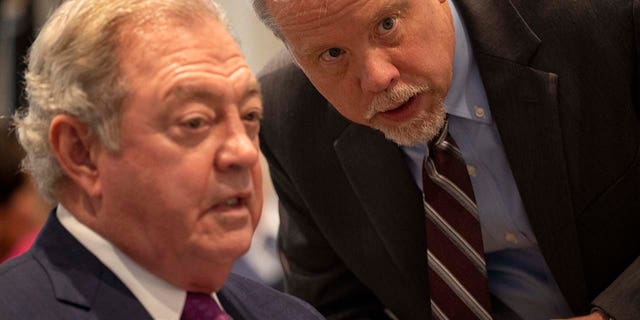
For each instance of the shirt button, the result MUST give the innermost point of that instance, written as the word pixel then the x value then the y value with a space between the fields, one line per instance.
pixel 472 170
pixel 511 238
pixel 479 112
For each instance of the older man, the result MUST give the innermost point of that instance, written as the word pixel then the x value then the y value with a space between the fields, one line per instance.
pixel 519 121
pixel 143 124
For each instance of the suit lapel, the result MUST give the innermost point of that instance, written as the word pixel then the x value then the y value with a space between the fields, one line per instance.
pixel 524 103
pixel 379 176
pixel 241 302
pixel 80 280
pixel 235 308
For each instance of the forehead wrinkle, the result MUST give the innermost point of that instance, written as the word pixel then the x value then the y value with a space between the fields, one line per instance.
pixel 304 22
pixel 188 72
pixel 306 15
pixel 203 92
pixel 186 92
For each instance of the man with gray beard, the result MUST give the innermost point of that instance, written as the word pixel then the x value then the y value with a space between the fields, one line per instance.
pixel 537 101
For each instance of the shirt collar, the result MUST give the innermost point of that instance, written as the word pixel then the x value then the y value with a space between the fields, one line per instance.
pixel 160 298
pixel 466 92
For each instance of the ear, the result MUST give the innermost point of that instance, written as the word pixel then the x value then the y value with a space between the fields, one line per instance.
pixel 76 149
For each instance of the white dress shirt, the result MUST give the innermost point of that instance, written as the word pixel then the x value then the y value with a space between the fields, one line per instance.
pixel 160 298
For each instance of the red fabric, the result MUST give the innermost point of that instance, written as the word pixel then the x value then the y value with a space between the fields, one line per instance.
pixel 200 306
pixel 22 245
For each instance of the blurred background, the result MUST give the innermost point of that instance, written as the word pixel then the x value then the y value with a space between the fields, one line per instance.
pixel 22 212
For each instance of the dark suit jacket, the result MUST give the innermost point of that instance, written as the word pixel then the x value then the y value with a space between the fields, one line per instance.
pixel 563 86
pixel 60 279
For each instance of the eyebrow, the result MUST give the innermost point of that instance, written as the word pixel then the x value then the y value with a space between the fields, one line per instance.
pixel 182 92
pixel 252 90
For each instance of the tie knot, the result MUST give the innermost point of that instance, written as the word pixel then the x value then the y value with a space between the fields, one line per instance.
pixel 442 146
pixel 439 140
pixel 201 306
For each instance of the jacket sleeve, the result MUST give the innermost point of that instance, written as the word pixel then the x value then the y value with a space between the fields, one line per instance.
pixel 621 299
pixel 313 271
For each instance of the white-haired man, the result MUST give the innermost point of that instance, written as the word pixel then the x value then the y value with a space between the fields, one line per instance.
pixel 143 125
pixel 532 213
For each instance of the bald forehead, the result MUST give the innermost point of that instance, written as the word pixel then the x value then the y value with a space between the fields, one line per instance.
pixel 288 10
pixel 300 16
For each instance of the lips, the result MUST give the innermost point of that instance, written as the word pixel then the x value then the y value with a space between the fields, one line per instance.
pixel 232 202
pixel 404 111
pixel 230 213
pixel 400 106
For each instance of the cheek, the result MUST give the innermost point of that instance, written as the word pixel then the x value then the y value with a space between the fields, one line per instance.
pixel 345 98
pixel 256 210
pixel 182 174
pixel 158 183
pixel 437 70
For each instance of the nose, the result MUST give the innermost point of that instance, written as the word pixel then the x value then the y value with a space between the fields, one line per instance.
pixel 377 72
pixel 238 151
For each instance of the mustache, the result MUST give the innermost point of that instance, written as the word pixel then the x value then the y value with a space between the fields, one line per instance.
pixel 397 95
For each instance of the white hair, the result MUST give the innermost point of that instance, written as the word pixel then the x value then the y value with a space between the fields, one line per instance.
pixel 74 70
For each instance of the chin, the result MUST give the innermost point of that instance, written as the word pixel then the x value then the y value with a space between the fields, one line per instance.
pixel 208 280
pixel 412 135
pixel 228 247
pixel 421 129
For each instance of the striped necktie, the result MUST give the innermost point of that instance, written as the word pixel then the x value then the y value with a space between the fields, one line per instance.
pixel 457 270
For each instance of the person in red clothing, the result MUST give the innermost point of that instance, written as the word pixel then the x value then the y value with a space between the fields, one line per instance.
pixel 21 207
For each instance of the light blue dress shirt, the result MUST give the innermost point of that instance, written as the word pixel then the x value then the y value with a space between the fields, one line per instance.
pixel 518 273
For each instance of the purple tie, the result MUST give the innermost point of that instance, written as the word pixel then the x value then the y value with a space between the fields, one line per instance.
pixel 201 306
pixel 457 271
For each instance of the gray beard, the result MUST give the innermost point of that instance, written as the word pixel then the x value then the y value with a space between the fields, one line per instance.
pixel 421 129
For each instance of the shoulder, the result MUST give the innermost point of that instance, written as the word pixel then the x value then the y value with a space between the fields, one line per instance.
pixel 24 284
pixel 578 18
pixel 287 92
pixel 263 302
pixel 22 276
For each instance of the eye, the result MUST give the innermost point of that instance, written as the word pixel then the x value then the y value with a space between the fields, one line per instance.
pixel 252 122
pixel 387 24
pixel 253 116
pixel 194 123
pixel 331 54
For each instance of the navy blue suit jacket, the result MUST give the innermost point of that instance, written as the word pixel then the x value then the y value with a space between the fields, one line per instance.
pixel 60 279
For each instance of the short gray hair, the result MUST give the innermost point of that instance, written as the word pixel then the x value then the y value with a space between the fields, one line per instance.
pixel 260 7
pixel 74 70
